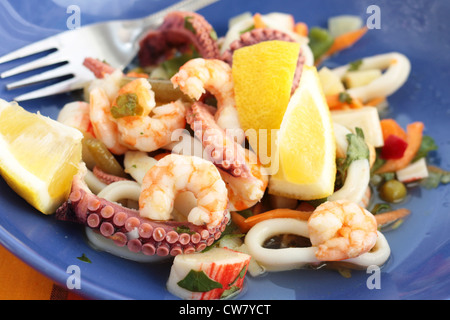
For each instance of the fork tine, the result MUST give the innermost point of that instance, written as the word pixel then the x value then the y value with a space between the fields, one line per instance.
pixel 33 48
pixel 57 88
pixel 52 58
pixel 44 76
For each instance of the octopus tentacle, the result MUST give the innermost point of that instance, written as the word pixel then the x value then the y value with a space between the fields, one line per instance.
pixel 222 150
pixel 99 68
pixel 127 228
pixel 178 31
pixel 264 34
pixel 105 177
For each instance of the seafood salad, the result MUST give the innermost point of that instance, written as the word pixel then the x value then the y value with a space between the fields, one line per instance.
pixel 242 154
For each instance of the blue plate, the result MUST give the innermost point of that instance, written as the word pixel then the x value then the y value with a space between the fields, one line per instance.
pixel 419 267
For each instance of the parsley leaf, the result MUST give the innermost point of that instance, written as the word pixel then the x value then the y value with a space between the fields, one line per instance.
pixel 357 150
pixel 84 258
pixel 345 97
pixel 198 281
pixel 183 229
pixel 426 146
pixel 353 66
pixel 188 24
pixel 229 292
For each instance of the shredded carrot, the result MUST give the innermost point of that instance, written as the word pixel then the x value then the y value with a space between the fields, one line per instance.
pixel 137 75
pixel 334 103
pixel 414 133
pixel 390 216
pixel 301 28
pixel 375 101
pixel 258 21
pixel 391 127
pixel 346 40
pixel 161 155
pixel 277 213
pixel 239 221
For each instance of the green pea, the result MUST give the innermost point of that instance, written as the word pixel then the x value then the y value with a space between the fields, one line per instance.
pixel 393 191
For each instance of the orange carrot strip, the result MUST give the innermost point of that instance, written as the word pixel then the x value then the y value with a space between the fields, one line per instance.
pixel 258 21
pixel 134 74
pixel 277 213
pixel 390 216
pixel 346 40
pixel 239 220
pixel 414 138
pixel 161 155
pixel 391 127
pixel 334 103
pixel 301 28
pixel 375 101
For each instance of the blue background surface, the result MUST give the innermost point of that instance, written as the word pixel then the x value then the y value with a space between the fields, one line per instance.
pixel 419 267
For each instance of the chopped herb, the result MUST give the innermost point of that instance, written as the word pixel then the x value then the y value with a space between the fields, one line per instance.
pixel 239 276
pixel 126 105
pixel 171 66
pixel 354 65
pixel 183 229
pixel 229 292
pixel 188 24
pixel 246 213
pixel 84 258
pixel 345 97
pixel 378 161
pixel 213 34
pixel 357 149
pixel 247 30
pixel 198 281
pixel 379 207
pixel 134 166
pixel 426 146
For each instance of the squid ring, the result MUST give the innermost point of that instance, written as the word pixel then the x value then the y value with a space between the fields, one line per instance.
pixel 294 258
pixel 397 71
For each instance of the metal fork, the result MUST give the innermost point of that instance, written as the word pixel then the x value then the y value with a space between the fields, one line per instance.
pixel 115 42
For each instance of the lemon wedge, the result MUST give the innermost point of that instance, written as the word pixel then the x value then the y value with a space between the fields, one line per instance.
pixel 262 76
pixel 306 144
pixel 39 156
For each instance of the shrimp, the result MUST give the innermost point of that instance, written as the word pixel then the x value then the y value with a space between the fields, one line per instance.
pixel 132 121
pixel 341 230
pixel 147 133
pixel 76 114
pixel 199 75
pixel 175 174
pixel 148 128
pixel 104 126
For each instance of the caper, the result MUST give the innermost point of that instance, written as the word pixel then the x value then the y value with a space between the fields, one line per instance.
pixel 393 191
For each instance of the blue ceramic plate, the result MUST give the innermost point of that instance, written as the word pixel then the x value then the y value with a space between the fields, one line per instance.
pixel 419 267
